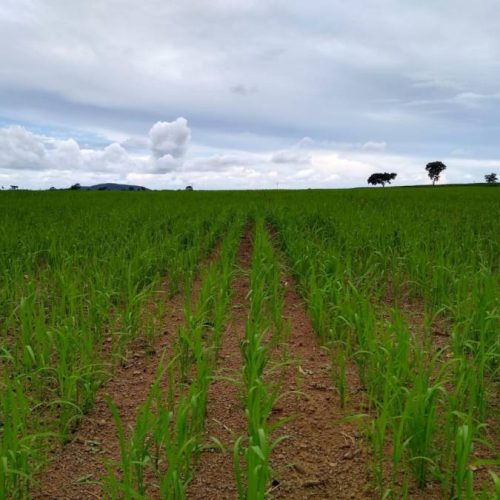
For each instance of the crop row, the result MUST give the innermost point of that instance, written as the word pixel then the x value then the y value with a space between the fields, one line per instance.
pixel 265 329
pixel 377 298
pixel 74 281
pixel 160 453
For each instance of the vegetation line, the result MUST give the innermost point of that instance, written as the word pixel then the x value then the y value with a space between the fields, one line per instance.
pixel 167 436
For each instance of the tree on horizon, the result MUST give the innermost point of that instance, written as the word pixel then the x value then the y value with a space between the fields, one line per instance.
pixel 381 178
pixel 434 169
pixel 491 178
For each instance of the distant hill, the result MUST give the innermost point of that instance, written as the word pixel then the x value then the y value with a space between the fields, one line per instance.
pixel 110 186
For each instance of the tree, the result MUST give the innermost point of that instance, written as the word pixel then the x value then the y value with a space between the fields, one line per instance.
pixel 491 178
pixel 381 178
pixel 75 187
pixel 434 169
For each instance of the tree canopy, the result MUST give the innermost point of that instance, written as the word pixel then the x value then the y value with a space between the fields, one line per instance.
pixel 434 169
pixel 381 178
pixel 491 178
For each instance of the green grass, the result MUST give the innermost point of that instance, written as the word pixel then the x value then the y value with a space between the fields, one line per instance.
pixel 364 257
pixel 263 331
pixel 168 433
pixel 381 271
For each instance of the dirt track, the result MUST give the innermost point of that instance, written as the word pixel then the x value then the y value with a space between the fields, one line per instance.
pixel 321 458
pixel 214 476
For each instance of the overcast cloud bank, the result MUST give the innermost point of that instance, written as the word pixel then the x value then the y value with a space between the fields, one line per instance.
pixel 303 94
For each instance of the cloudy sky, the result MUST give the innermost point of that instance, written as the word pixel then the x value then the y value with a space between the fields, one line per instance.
pixel 247 93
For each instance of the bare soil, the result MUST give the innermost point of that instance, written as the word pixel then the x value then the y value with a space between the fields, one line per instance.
pixel 76 468
pixel 322 457
pixel 214 477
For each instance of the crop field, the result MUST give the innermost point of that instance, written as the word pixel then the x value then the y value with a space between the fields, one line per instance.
pixel 268 344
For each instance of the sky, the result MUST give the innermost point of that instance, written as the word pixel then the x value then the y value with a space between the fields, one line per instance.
pixel 247 94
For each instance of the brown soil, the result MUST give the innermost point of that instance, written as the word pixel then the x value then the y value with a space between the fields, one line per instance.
pixel 75 469
pixel 322 457
pixel 214 477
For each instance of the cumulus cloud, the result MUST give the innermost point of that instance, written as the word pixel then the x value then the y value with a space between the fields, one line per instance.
pixel 166 163
pixel 20 149
pixel 163 151
pixel 170 138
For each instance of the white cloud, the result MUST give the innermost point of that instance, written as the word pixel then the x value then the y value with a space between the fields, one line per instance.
pixel 170 138
pixel 166 163
pixel 36 160
pixel 167 143
pixel 20 149
pixel 290 156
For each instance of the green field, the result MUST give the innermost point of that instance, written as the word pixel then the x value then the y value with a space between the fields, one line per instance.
pixel 400 284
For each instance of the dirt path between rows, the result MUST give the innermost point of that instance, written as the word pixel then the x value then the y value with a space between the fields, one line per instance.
pixel 322 457
pixel 225 420
pixel 75 470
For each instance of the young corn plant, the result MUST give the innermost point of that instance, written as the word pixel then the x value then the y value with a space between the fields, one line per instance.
pixel 168 433
pixel 259 395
